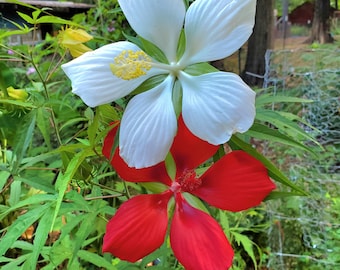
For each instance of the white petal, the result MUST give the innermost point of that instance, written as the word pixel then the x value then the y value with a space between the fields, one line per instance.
pixel 216 105
pixel 148 126
pixel 215 29
pixel 93 80
pixel 157 21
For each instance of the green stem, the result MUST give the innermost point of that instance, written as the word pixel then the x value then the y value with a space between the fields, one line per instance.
pixel 47 97
pixel 126 190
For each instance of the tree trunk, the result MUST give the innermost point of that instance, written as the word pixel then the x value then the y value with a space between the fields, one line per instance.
pixel 259 42
pixel 321 23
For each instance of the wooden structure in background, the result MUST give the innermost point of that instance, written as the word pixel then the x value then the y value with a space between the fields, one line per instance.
pixel 8 12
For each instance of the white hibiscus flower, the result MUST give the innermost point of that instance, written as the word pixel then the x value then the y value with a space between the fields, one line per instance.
pixel 214 105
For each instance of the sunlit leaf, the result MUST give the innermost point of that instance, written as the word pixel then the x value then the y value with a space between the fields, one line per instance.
pixel 20 225
pixel 263 132
pixel 247 245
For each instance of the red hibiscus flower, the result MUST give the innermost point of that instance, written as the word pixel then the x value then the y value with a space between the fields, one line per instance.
pixel 236 182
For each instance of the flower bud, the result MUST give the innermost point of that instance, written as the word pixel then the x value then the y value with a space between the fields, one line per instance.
pixel 73 39
pixel 17 94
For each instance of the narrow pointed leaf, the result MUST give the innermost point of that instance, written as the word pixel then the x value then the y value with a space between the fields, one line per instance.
pixel 23 138
pixel 96 260
pixel 64 179
pixel 263 132
pixel 284 124
pixel 20 225
pixel 269 99
pixel 40 237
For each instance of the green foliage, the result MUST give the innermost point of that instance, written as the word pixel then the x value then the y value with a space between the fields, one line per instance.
pixel 302 235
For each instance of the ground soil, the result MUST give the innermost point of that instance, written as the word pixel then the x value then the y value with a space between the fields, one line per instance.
pixel 291 43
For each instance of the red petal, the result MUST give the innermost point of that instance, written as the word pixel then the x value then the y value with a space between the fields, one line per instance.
pixel 156 173
pixel 236 182
pixel 188 150
pixel 197 239
pixel 138 227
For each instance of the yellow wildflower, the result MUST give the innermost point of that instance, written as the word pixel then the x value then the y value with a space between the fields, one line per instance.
pixel 73 39
pixel 17 94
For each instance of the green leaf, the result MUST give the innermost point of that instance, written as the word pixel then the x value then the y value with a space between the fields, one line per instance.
pixel 4 175
pixel 27 18
pixel 30 161
pixel 22 245
pixel 6 77
pixel 108 113
pixel 38 181
pixel 64 179
pixel 270 98
pixel 40 237
pixel 294 117
pixel 170 166
pixel 36 199
pixel 43 125
pixel 20 225
pixel 25 104
pixel 247 245
pixel 92 129
pixel 35 14
pixel 85 229
pixel 78 201
pixel 273 171
pixel 60 251
pixel 181 45
pixel 22 31
pixel 72 122
pixel 152 50
pixel 45 19
pixel 200 68
pixel 95 259
pixel 23 138
pixel 177 94
pixel 15 192
pixel 154 187
pixel 17 263
pixel 149 84
pixel 263 132
pixel 195 202
pixel 134 39
pixel 274 195
pixel 66 230
pixel 283 124
pixel 224 221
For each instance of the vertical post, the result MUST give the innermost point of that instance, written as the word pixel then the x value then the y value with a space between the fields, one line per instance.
pixel 285 20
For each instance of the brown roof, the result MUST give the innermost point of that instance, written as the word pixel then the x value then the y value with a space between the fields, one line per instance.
pixel 52 4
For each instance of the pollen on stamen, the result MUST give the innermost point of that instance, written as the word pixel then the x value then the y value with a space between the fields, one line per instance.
pixel 189 181
pixel 130 64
